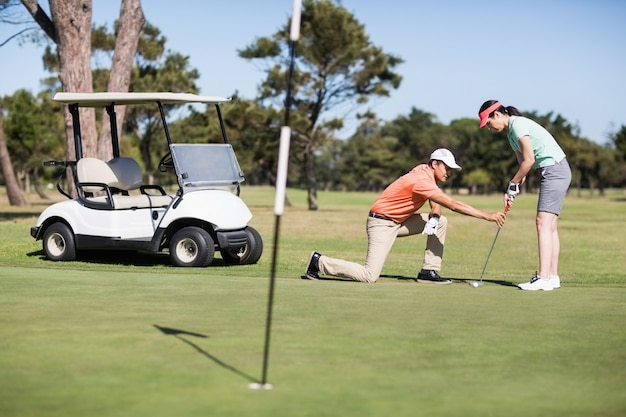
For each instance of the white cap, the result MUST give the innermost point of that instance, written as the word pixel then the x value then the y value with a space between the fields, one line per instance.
pixel 444 156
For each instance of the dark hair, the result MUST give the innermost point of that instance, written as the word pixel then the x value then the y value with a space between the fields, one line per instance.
pixel 510 110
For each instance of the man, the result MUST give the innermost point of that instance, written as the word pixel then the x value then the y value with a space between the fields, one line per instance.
pixel 394 214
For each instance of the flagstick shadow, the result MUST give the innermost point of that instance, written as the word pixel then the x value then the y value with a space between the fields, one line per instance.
pixel 177 333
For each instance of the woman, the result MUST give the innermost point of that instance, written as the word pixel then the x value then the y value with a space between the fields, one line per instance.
pixel 535 148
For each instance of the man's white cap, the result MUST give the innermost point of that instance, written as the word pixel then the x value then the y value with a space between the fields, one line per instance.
pixel 446 157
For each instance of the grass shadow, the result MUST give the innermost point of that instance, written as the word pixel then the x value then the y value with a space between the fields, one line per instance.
pixel 486 281
pixel 6 217
pixel 456 280
pixel 398 277
pixel 178 334
pixel 328 279
pixel 125 257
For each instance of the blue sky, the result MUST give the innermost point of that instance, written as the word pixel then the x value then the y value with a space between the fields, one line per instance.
pixel 566 57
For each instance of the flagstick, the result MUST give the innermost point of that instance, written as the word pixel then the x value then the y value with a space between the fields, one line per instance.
pixel 281 183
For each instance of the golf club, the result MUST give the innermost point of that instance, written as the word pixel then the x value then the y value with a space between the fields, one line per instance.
pixel 480 283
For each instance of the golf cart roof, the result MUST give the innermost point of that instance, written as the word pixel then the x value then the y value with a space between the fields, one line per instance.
pixel 116 98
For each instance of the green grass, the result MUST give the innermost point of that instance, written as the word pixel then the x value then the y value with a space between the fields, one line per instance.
pixel 81 338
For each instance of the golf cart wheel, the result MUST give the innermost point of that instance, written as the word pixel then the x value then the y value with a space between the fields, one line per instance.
pixel 248 254
pixel 58 243
pixel 192 246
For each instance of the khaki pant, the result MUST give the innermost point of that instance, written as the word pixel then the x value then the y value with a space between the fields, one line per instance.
pixel 380 237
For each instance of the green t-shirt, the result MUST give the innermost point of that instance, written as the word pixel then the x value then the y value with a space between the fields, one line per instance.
pixel 545 148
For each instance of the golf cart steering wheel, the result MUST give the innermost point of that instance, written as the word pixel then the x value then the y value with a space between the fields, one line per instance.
pixel 166 163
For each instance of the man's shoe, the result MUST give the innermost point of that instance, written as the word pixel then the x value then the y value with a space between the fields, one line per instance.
pixel 556 281
pixel 537 284
pixel 429 276
pixel 312 268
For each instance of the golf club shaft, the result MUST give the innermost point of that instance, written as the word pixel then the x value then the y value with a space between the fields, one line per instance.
pixel 488 256
pixel 506 209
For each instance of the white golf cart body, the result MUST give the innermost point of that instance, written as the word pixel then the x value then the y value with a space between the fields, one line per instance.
pixel 114 210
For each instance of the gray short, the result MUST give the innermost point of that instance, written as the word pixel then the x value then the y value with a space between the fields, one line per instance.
pixel 555 181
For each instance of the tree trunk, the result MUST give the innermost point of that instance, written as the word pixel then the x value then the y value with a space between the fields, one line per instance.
pixel 70 28
pixel 271 177
pixel 144 148
pixel 72 22
pixel 131 21
pixel 26 184
pixel 13 188
pixel 40 192
pixel 310 179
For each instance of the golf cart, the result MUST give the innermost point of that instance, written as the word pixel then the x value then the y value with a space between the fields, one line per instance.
pixel 114 210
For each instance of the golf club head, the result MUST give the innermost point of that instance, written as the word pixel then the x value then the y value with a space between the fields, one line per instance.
pixel 476 284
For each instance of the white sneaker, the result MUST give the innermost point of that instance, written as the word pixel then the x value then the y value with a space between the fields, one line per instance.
pixel 556 281
pixel 537 283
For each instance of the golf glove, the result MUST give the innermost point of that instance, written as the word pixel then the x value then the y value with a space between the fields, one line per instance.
pixel 511 192
pixel 431 226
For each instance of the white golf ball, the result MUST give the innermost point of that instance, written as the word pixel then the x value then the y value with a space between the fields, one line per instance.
pixel 257 385
pixel 475 284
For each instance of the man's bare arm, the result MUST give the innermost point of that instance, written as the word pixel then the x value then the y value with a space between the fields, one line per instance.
pixel 463 208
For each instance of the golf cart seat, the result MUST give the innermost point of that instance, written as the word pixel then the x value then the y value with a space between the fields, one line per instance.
pixel 115 179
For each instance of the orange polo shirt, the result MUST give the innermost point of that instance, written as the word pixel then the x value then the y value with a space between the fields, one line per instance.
pixel 407 194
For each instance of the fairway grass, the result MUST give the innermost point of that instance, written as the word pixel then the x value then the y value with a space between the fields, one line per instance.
pixel 121 336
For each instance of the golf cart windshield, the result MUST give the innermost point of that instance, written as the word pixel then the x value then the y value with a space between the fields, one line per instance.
pixel 206 166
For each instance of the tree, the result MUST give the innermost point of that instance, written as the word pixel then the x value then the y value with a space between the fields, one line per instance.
pixel 254 131
pixel 155 69
pixel 157 74
pixel 486 157
pixel 69 28
pixel 337 68
pixel 34 132
pixel 128 31
pixel 13 190
pixel 417 136
pixel 619 141
pixel 367 161
pixel 607 169
pixel 477 178
pixel 132 41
